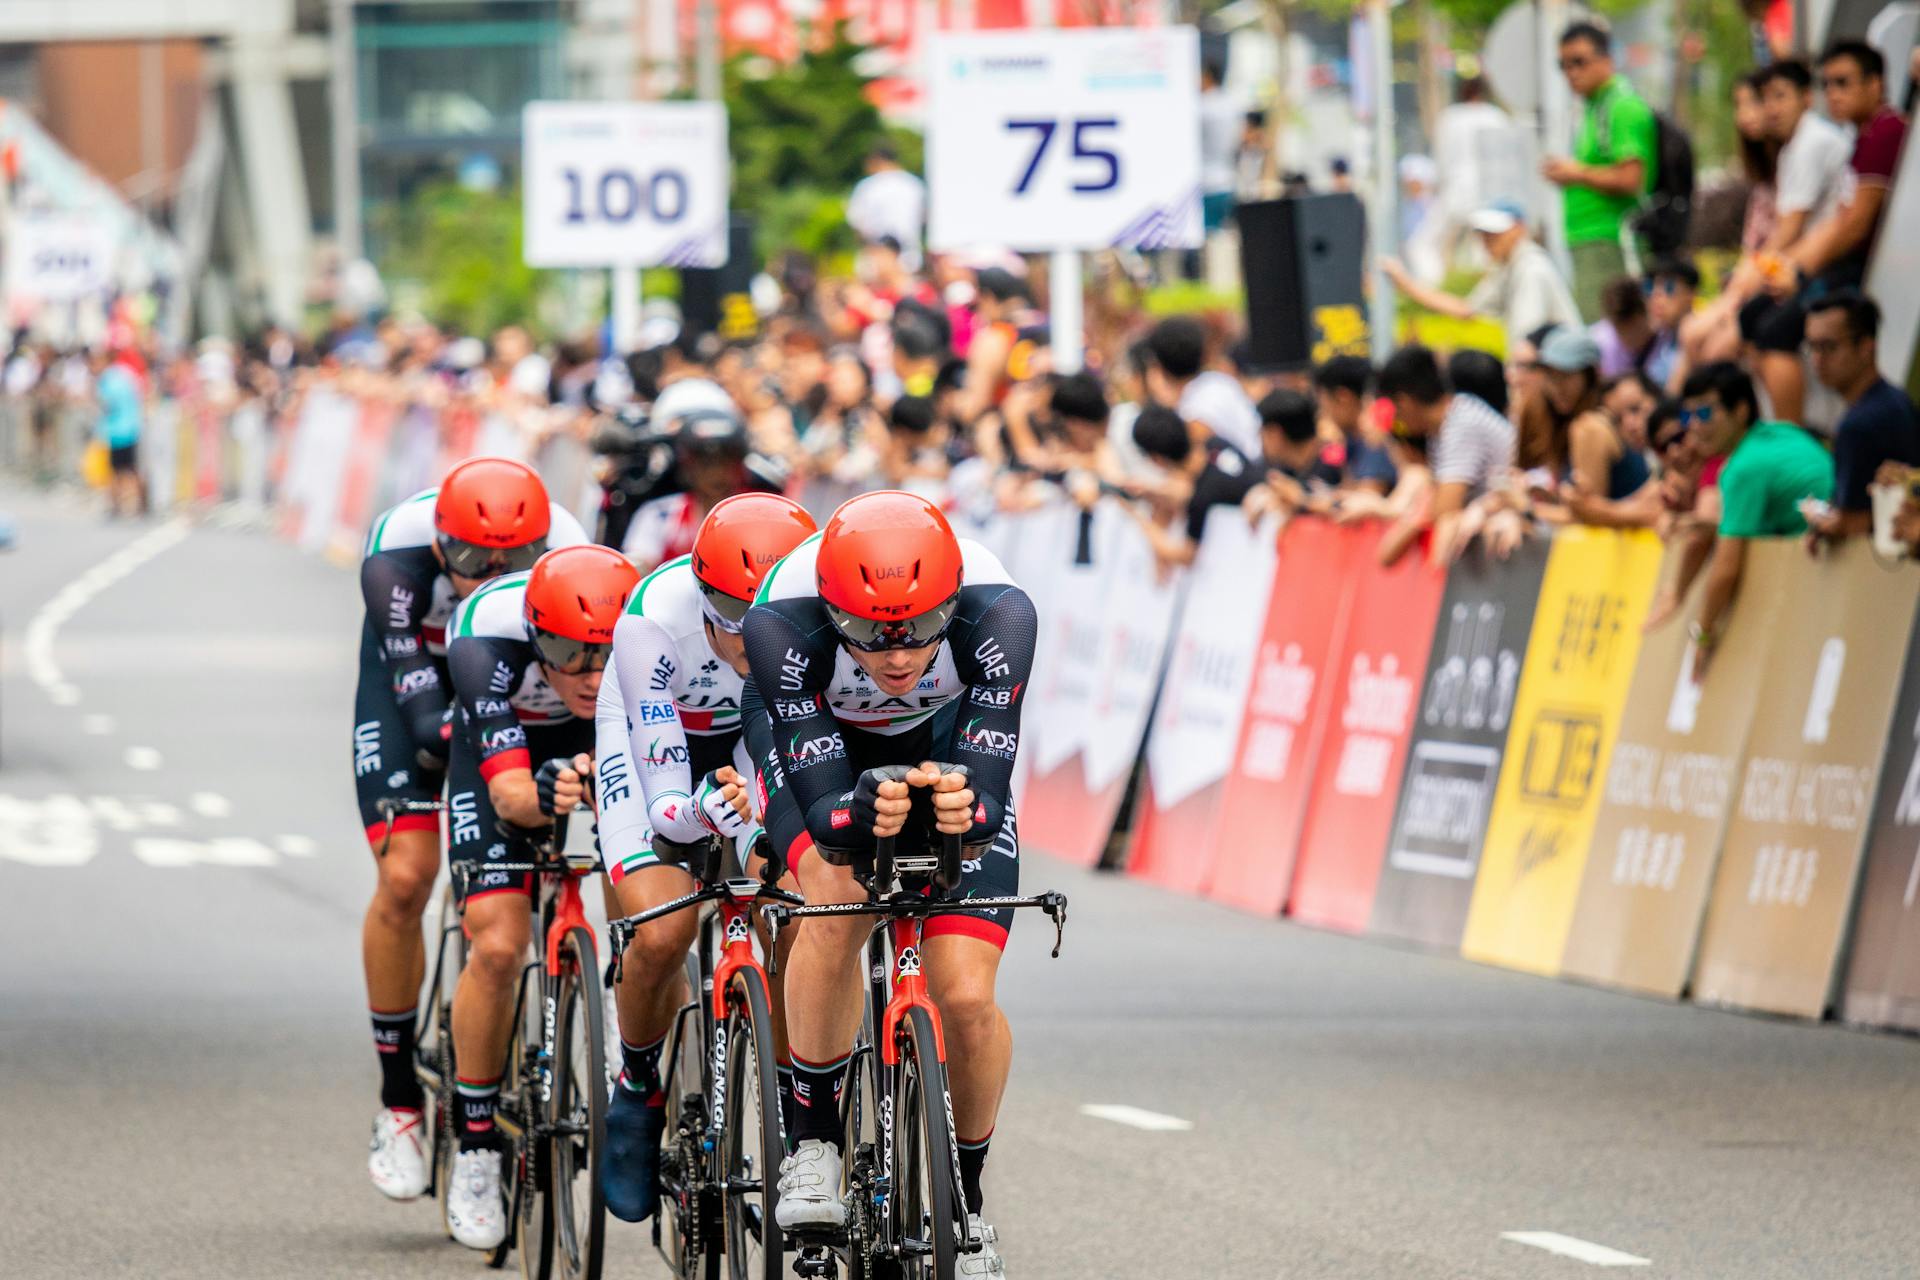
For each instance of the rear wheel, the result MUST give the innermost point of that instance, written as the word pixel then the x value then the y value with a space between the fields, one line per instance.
pixel 523 1169
pixel 929 1220
pixel 754 1138
pixel 679 1221
pixel 578 1115
pixel 433 1043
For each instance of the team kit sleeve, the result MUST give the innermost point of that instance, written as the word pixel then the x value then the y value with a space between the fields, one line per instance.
pixel 993 640
pixel 485 671
pixel 626 838
pixel 646 661
pixel 791 671
pixel 397 603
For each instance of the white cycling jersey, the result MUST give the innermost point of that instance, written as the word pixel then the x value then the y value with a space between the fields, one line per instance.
pixel 663 684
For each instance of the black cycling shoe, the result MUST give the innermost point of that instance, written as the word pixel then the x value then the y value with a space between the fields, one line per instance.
pixel 630 1172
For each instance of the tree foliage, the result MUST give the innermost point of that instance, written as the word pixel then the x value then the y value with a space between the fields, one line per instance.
pixel 461 247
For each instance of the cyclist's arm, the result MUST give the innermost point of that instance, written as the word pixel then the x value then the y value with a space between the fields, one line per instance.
pixel 624 832
pixel 397 603
pixel 646 660
pixel 485 672
pixel 993 641
pixel 791 671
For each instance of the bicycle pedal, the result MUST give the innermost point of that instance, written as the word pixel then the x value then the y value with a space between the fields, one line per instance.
pixel 816 1263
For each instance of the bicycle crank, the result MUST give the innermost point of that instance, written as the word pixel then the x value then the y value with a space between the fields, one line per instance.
pixel 816 1262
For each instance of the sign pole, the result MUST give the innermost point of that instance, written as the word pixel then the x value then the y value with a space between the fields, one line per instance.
pixel 1066 327
pixel 1386 214
pixel 626 309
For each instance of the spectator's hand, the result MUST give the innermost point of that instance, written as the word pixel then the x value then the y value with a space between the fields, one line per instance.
pixel 1259 502
pixel 1559 170
pixel 1084 488
pixel 1395 270
pixel 1661 611
pixel 1893 473
pixel 1702 659
pixel 1906 523
pixel 1505 531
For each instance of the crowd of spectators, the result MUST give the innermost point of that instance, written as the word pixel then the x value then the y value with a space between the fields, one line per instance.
pixel 1634 394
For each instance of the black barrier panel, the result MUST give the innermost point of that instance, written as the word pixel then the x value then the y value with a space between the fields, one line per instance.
pixel 1883 980
pixel 1453 766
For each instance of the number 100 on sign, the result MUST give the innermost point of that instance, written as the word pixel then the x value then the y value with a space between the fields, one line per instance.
pixel 624 184
pixel 1065 140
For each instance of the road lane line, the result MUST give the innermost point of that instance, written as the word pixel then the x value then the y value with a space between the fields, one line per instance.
pixel 1573 1247
pixel 297 846
pixel 98 725
pixel 1135 1118
pixel 210 804
pixel 145 759
pixel 44 626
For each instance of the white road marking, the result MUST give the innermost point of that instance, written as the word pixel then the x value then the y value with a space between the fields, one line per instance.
pixel 145 759
pixel 51 616
pixel 53 832
pixel 99 724
pixel 225 851
pixel 1574 1247
pixel 210 804
pixel 296 846
pixel 1135 1118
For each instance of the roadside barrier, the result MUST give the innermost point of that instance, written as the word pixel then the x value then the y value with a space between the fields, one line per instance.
pixel 1491 759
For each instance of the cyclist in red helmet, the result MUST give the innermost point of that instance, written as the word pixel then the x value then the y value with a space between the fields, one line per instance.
pixel 887 641
pixel 526 657
pixel 671 763
pixel 488 516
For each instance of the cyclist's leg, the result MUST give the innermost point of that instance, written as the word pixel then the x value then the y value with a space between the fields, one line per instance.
pixel 498 925
pixel 963 951
pixel 651 988
pixel 391 948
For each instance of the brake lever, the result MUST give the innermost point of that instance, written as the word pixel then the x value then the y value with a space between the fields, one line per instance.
pixel 619 936
pixel 774 915
pixel 1055 905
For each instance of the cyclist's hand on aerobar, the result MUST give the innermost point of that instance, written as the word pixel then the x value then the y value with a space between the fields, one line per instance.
pixel 881 803
pixel 952 797
pixel 562 784
pixel 437 733
pixel 721 801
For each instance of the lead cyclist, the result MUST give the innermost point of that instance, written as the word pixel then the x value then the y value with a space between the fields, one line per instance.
pixel 885 640
pixel 669 762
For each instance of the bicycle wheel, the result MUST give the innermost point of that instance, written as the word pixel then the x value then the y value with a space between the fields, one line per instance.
pixel 524 1171
pixel 754 1141
pixel 929 1221
pixel 578 1115
pixel 433 1041
pixel 680 1228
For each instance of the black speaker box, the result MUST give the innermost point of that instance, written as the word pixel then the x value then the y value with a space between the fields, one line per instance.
pixel 1301 259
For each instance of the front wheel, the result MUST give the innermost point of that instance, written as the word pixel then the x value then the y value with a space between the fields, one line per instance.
pixel 754 1135
pixel 579 1113
pixel 929 1220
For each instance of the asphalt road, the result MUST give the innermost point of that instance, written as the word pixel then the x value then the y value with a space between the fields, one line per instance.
pixel 185 1074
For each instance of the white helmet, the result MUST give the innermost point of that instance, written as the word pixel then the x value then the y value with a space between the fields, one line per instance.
pixel 689 396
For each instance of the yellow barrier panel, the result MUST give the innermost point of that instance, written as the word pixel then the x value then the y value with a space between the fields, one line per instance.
pixel 1670 789
pixel 1580 660
pixel 1778 917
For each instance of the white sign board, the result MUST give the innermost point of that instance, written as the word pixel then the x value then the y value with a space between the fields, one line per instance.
pixel 1046 140
pixel 55 256
pixel 625 184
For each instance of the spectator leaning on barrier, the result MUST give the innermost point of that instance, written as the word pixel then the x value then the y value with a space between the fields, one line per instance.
pixel 1340 387
pixel 1671 285
pixel 1523 291
pixel 1615 151
pixel 1879 425
pixel 1624 332
pixel 1179 379
pixel 1298 471
pixel 1203 472
pixel 1470 444
pixel 1771 469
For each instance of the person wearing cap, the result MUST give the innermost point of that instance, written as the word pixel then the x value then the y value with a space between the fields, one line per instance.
pixel 1568 445
pixel 1523 291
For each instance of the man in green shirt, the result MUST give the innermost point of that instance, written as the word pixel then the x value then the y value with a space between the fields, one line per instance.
pixel 1615 158
pixel 1770 469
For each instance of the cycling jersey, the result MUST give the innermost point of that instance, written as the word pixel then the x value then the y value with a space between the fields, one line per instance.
pixel 816 695
pixel 669 711
pixel 402 695
pixel 662 530
pixel 508 717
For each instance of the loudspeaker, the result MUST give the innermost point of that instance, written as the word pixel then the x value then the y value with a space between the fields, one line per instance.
pixel 1301 261
pixel 716 299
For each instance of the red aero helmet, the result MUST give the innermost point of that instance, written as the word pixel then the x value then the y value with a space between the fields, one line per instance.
pixel 492 502
pixel 741 539
pixel 579 592
pixel 889 570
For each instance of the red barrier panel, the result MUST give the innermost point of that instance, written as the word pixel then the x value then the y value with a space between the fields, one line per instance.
pixel 1264 803
pixel 367 454
pixel 1350 816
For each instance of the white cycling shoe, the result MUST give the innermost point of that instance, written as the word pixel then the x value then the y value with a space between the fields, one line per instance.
pixel 810 1188
pixel 396 1157
pixel 476 1212
pixel 987 1263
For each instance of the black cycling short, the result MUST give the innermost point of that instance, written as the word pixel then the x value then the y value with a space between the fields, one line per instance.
pixel 383 763
pixel 991 871
pixel 124 458
pixel 474 828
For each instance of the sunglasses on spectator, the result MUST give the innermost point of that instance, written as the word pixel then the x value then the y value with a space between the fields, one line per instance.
pixel 1668 286
pixel 1575 63
pixel 1701 414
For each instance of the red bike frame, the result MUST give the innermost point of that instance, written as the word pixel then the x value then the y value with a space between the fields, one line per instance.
pixel 909 991
pixel 736 929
